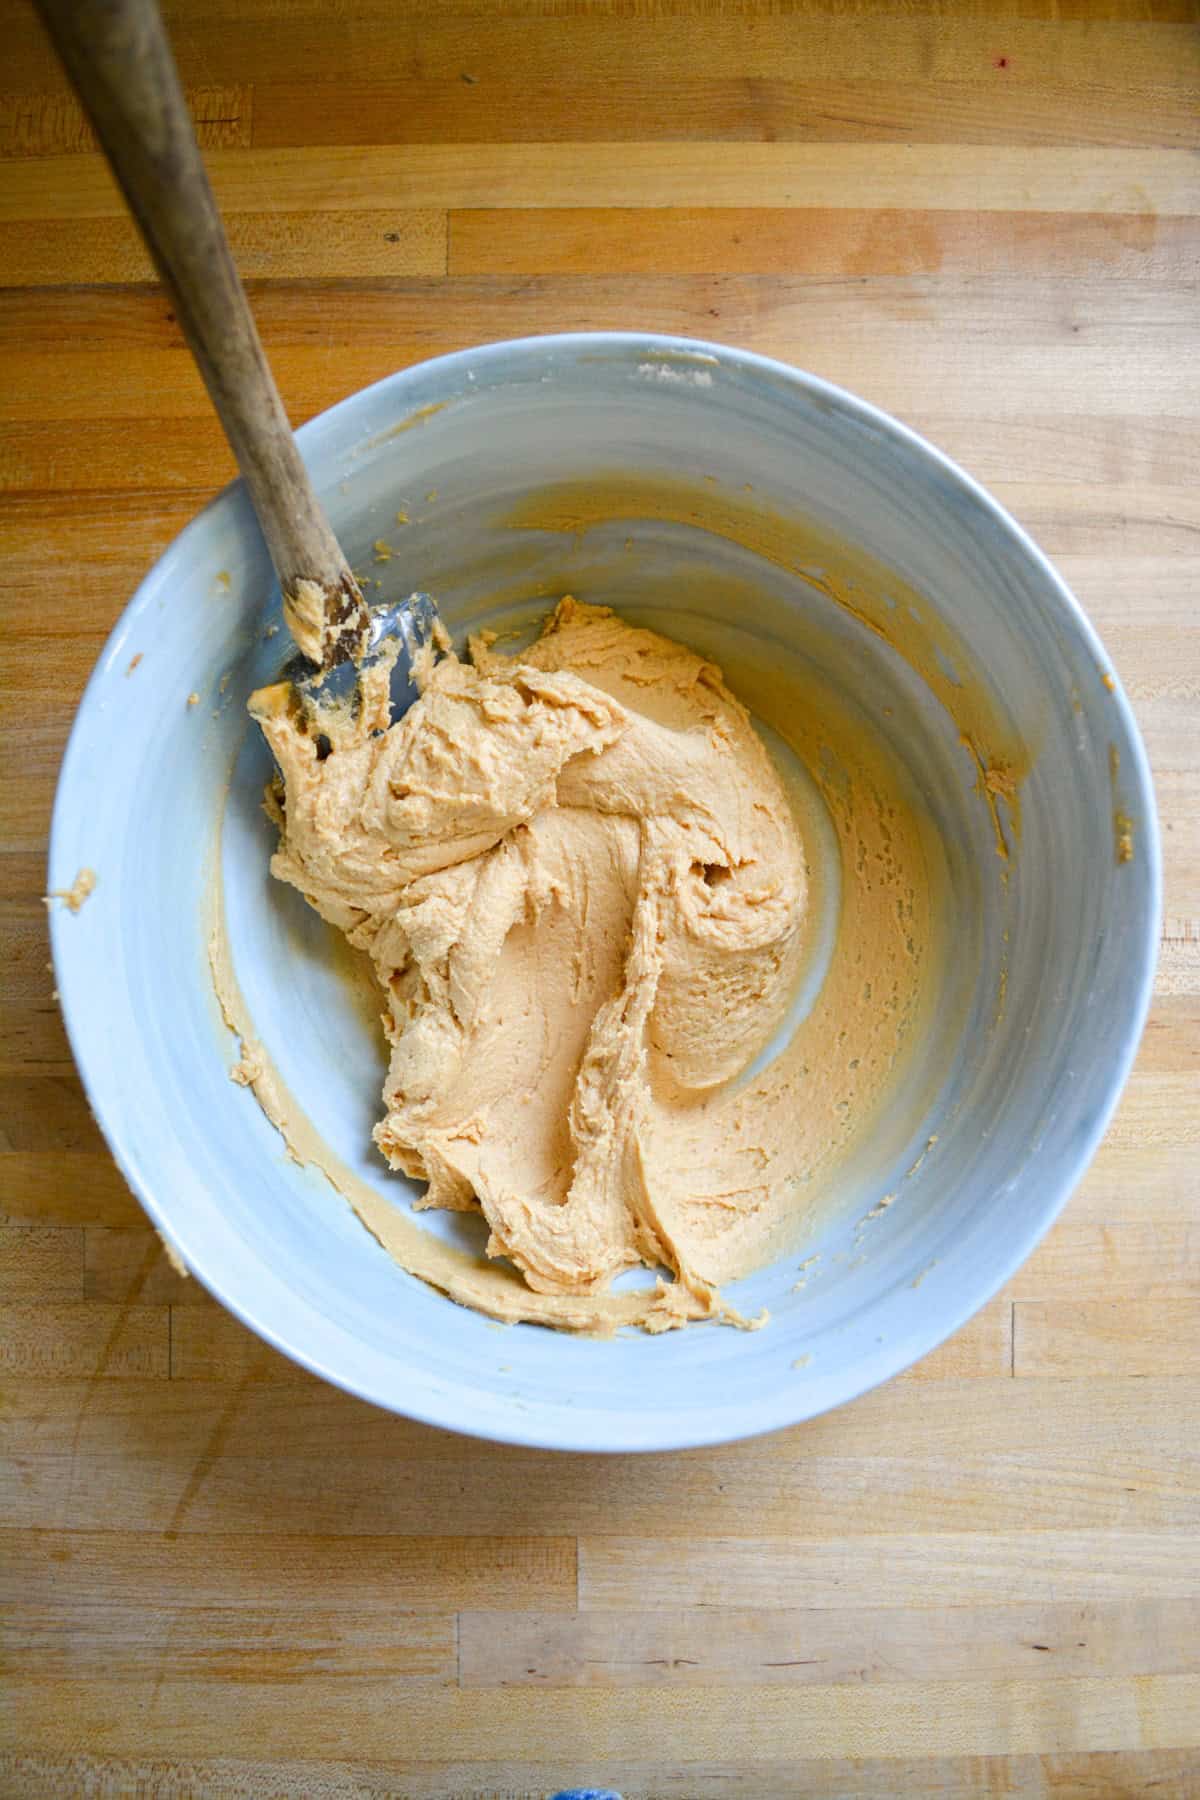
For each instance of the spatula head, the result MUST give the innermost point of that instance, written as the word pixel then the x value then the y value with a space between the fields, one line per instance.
pixel 401 629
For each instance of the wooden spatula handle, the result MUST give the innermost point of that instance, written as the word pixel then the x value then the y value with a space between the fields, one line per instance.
pixel 117 55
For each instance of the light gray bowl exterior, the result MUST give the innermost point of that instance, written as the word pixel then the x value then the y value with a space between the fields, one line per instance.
pixel 141 800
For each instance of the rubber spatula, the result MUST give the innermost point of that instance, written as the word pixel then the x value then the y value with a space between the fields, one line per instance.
pixel 117 56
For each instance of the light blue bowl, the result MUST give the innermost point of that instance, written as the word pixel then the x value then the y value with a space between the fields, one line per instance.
pixel 142 800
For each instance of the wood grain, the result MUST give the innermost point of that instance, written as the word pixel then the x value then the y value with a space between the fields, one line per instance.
pixel 814 240
pixel 1132 1337
pixel 219 1576
pixel 41 1264
pixel 70 1339
pixel 63 1186
pixel 986 178
pixel 1003 342
pixel 268 246
pixel 725 1647
pixel 1106 1775
pixel 115 1268
pixel 53 124
pixel 831 1723
pixel 310 1645
pixel 427 1574
pixel 972 1456
pixel 946 1569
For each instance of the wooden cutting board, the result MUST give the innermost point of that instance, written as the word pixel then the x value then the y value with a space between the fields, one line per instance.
pixel 220 1576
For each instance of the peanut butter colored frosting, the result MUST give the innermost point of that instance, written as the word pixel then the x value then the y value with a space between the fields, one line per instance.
pixel 583 889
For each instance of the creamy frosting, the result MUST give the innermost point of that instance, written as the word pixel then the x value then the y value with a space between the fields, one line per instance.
pixel 588 900
pixel 582 889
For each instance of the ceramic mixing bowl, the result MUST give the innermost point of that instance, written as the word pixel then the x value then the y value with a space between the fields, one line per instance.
pixel 794 533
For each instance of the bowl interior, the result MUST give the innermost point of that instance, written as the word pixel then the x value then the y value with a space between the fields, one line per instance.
pixel 724 500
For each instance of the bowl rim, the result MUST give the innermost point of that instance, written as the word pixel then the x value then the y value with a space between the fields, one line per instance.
pixel 786 1406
